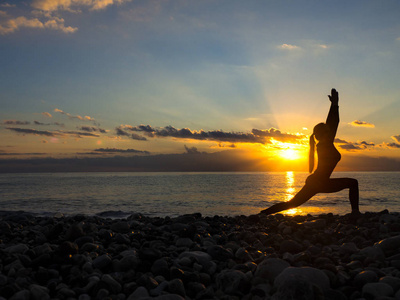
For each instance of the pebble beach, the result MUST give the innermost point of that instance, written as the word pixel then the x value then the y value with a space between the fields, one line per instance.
pixel 194 257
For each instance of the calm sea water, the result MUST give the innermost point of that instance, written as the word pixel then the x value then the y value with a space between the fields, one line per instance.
pixel 172 194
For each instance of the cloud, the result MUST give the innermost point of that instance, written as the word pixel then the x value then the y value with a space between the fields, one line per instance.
pixel 191 150
pixel 70 5
pixel 256 136
pixel 78 134
pixel 32 131
pixel 92 129
pixel 20 153
pixel 391 145
pixel 85 118
pixel 47 14
pixel 366 144
pixel 396 138
pixel 221 145
pixel 339 141
pixel 46 114
pixel 7 5
pixel 350 146
pixel 121 131
pixel 288 47
pixel 115 150
pixel 47 124
pixel 15 122
pixel 362 124
pixel 14 24
pixel 277 135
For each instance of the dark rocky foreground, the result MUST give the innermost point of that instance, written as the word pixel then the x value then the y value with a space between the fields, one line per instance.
pixel 195 257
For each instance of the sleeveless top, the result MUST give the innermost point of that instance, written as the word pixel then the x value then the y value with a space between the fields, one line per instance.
pixel 328 157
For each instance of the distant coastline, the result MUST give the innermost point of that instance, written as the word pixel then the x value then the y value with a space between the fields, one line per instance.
pixel 224 161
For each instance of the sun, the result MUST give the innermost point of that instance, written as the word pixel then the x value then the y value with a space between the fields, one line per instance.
pixel 289 154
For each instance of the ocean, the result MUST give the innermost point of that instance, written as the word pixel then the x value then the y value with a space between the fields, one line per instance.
pixel 117 195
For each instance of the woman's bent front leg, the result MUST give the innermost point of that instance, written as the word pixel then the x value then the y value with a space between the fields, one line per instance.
pixel 334 185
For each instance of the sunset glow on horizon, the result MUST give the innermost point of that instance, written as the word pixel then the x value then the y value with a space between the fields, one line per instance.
pixel 234 85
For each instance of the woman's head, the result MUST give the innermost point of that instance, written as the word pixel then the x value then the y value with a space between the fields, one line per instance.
pixel 320 131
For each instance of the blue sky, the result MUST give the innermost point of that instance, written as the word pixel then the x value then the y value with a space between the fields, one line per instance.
pixel 228 66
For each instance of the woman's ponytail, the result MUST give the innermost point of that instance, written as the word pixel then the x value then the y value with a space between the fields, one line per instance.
pixel 311 154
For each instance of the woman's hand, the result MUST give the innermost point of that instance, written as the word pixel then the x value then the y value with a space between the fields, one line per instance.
pixel 334 97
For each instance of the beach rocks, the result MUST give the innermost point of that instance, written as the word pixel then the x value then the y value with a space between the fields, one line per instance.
pixel 195 257
pixel 270 268
pixel 304 274
pixel 377 289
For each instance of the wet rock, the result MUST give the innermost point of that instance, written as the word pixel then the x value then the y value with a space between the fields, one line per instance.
pixel 129 262
pixel 102 261
pixel 159 289
pixel 232 282
pixel 149 254
pixel 74 232
pixel 297 288
pixel 290 246
pixel 394 282
pixel 147 281
pixel 390 245
pixel 184 242
pixel 83 240
pixel 21 295
pixel 19 248
pixel 243 255
pixel 43 249
pixel 122 239
pixel 3 280
pixel 348 248
pixel 374 253
pixel 316 224
pixel 90 247
pixel 139 293
pixel 121 227
pixel 270 268
pixel 311 275
pixel 175 286
pixel 365 277
pixel 113 285
pixel 202 258
pixel 194 288
pixel 355 264
pixel 160 267
pixel 67 248
pixel 39 292
pixel 170 297
pixel 261 290
pixel 65 293
pixel 219 253
pixel 334 295
pixel 377 289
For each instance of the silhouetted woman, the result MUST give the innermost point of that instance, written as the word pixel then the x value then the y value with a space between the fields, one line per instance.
pixel 328 157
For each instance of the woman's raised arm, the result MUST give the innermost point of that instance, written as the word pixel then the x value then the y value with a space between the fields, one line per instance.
pixel 333 116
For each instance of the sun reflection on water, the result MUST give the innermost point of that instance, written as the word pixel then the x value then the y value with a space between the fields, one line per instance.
pixel 290 190
pixel 289 194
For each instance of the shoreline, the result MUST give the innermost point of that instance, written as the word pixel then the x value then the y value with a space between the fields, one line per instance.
pixel 194 257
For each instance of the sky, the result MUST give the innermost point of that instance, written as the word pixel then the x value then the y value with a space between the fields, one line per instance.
pixel 196 85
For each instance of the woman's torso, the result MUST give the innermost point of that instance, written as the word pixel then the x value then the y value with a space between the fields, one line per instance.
pixel 328 157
